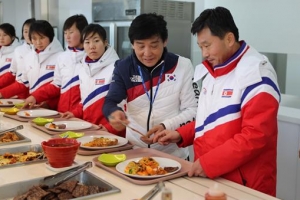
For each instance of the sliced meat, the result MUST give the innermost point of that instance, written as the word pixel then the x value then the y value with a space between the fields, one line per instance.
pixel 80 191
pixel 170 169
pixel 102 189
pixel 61 126
pixel 50 196
pixel 68 185
pixel 21 197
pixel 93 189
pixel 65 195
pixel 55 190
pixel 36 193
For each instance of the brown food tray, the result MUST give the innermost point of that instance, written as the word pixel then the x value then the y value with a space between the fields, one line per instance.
pixel 141 152
pixel 43 128
pixel 26 119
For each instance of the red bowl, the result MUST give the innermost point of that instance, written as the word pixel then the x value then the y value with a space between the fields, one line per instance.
pixel 60 152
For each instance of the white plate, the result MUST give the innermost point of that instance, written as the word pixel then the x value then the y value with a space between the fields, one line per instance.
pixel 4 102
pixel 37 113
pixel 163 162
pixel 48 166
pixel 70 125
pixel 121 141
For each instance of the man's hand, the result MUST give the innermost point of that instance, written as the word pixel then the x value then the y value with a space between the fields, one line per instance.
pixel 196 170
pixel 29 102
pixel 67 115
pixel 102 128
pixel 148 138
pixel 116 119
pixel 166 137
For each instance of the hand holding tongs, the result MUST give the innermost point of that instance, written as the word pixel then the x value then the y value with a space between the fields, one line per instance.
pixel 66 175
pixel 111 117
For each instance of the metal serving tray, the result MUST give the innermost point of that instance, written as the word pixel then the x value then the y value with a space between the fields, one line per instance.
pixel 11 190
pixel 22 138
pixel 34 147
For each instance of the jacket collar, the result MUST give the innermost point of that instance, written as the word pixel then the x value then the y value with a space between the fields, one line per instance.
pixel 229 65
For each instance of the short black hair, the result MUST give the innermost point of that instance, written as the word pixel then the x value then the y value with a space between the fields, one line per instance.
pixel 27 22
pixel 219 20
pixel 8 29
pixel 147 25
pixel 93 29
pixel 42 27
pixel 79 20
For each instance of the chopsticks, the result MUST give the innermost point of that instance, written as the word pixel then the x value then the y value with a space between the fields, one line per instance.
pixel 111 117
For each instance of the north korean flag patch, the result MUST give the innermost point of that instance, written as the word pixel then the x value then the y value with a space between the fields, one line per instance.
pixel 8 60
pixel 100 81
pixel 50 67
pixel 227 93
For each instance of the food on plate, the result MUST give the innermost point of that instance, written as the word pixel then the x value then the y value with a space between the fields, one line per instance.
pixel 57 126
pixel 27 114
pixel 66 190
pixel 9 137
pixel 147 166
pixel 20 157
pixel 102 142
pixel 7 102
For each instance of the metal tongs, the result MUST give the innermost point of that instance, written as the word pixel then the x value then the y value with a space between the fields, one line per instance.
pixel 149 195
pixel 61 177
pixel 111 117
pixel 12 129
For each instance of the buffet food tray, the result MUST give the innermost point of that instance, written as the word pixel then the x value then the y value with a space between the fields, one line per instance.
pixel 11 190
pixel 36 148
pixel 21 137
pixel 147 152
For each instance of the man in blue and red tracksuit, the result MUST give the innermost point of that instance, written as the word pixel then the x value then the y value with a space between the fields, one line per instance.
pixel 235 132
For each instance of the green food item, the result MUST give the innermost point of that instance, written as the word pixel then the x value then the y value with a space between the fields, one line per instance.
pixel 42 121
pixel 111 160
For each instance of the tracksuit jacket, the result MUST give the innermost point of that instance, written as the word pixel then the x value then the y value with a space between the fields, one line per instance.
pixel 6 58
pixel 235 133
pixel 16 67
pixel 39 71
pixel 65 84
pixel 95 78
pixel 175 103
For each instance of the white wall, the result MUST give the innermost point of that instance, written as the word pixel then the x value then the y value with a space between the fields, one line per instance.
pixel 67 9
pixel 9 8
pixel 196 56
pixel 269 26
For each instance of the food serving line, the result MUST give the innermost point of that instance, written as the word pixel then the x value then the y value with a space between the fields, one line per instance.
pixel 181 186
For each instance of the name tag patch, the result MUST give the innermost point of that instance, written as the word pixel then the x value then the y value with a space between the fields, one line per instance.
pixel 50 67
pixel 100 81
